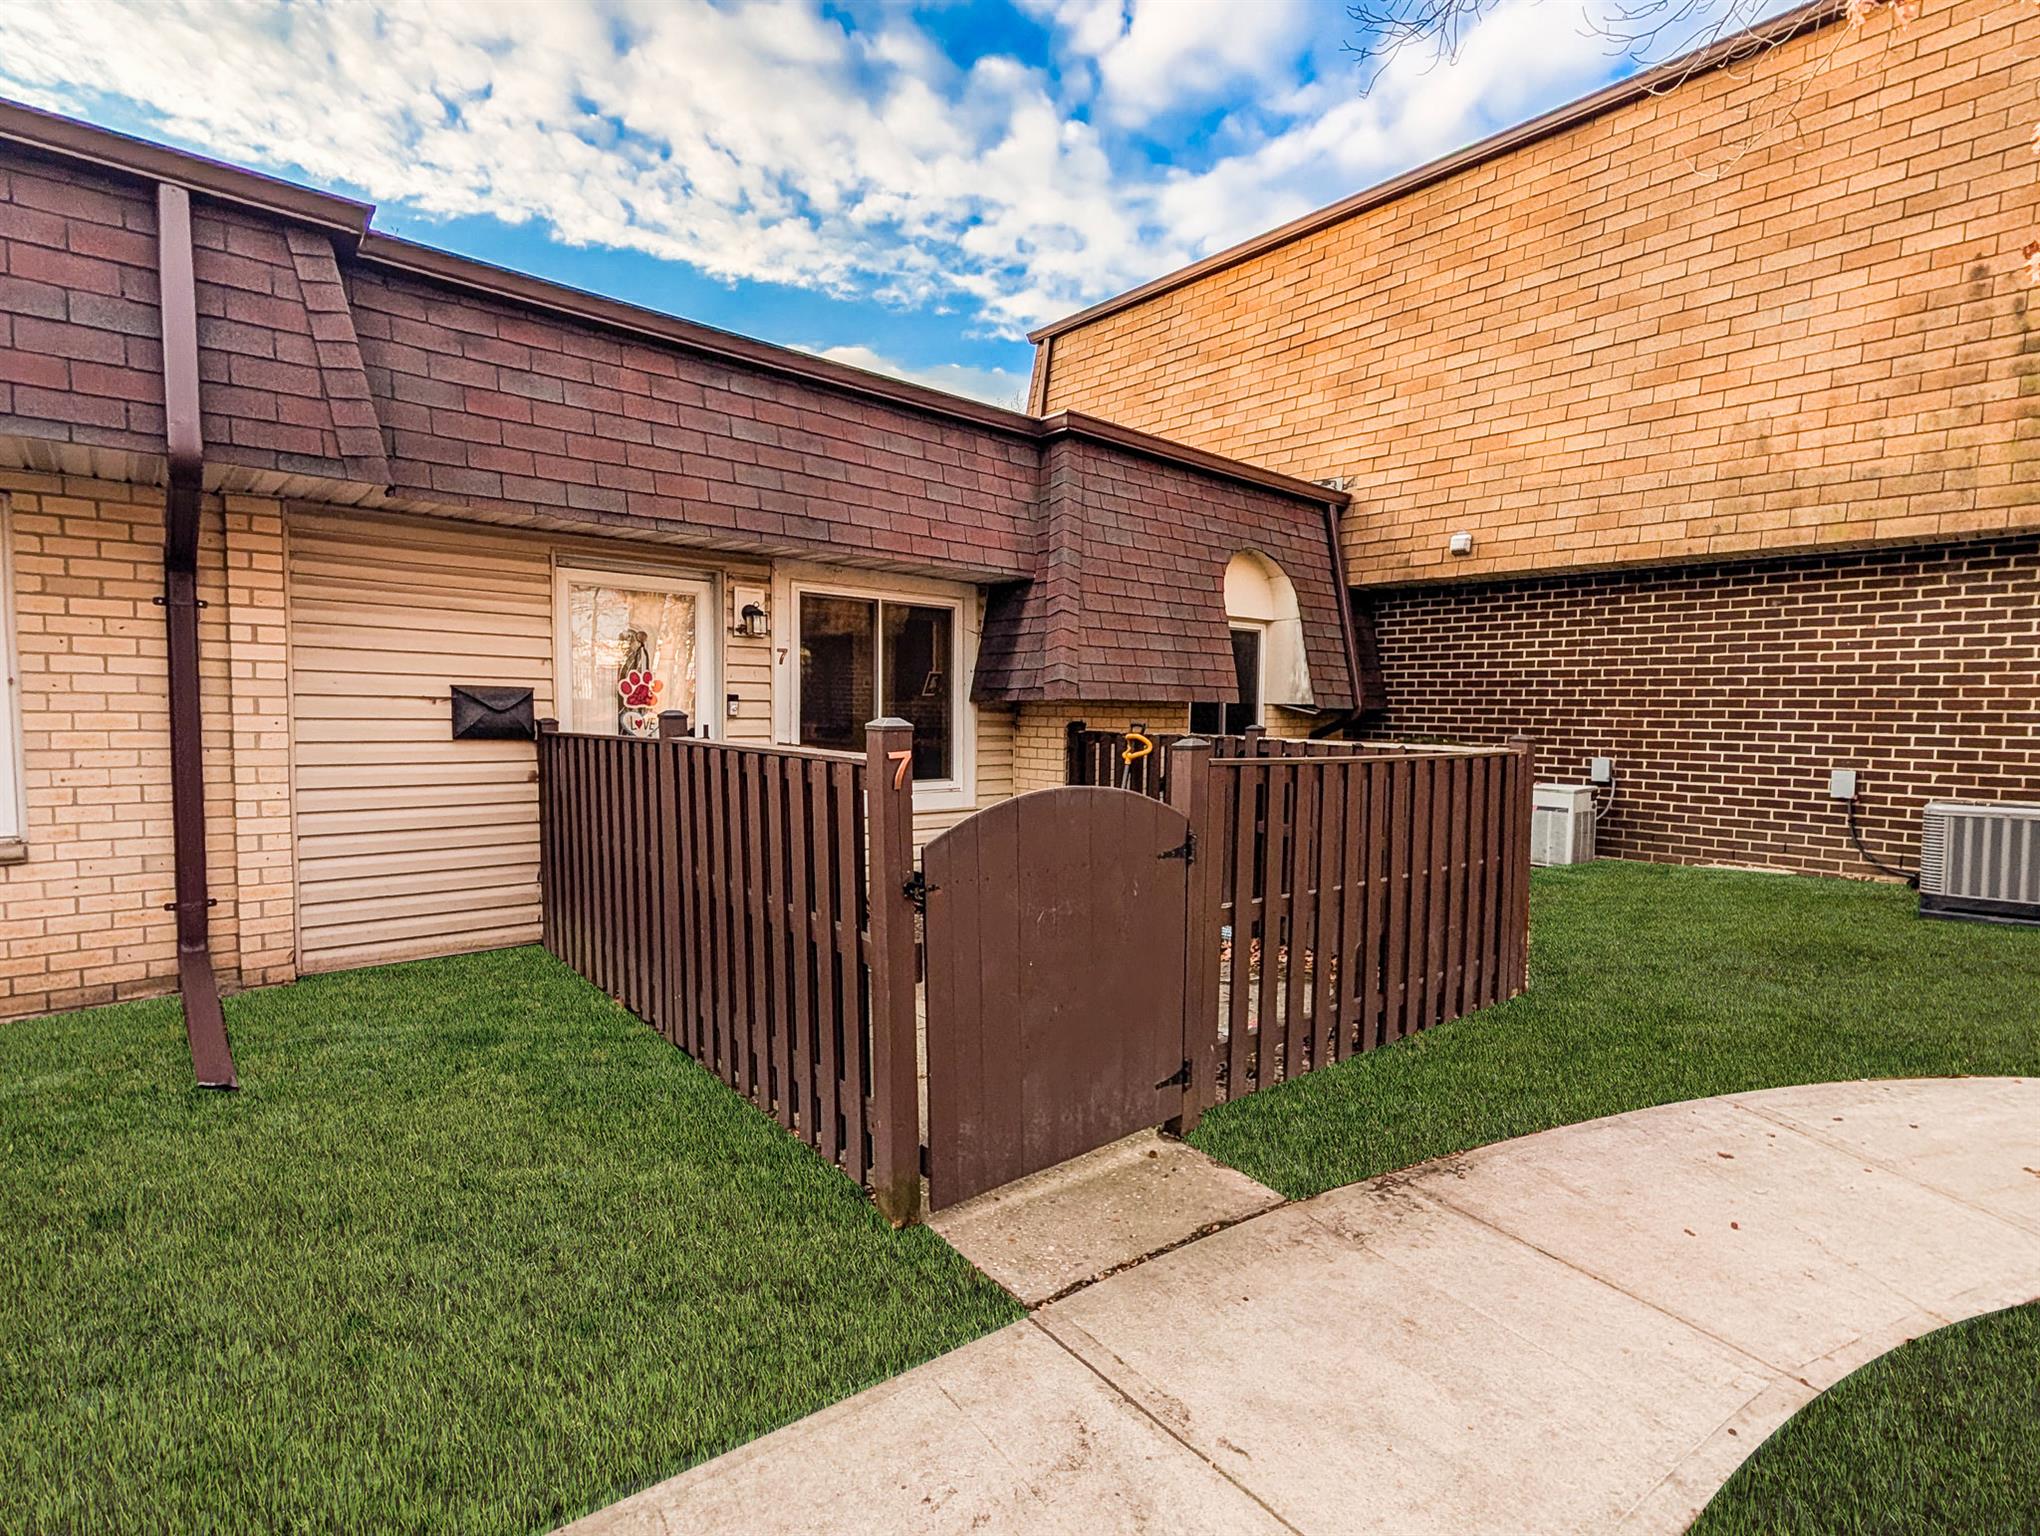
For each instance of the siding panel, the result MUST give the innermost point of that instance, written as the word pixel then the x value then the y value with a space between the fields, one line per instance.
pixel 410 843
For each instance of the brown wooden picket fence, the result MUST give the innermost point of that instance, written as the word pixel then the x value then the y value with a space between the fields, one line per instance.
pixel 748 903
pixel 756 906
pixel 1351 900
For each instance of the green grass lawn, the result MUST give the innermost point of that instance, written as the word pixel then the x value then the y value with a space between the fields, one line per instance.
pixel 472 1250
pixel 1940 1435
pixel 1650 984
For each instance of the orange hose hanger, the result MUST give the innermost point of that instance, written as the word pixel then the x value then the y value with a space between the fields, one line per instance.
pixel 1130 754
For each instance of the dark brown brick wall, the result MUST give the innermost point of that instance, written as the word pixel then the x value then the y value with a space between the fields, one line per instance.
pixel 1726 693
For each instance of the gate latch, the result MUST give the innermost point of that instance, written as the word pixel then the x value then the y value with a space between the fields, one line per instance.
pixel 1185 850
pixel 1180 1078
pixel 916 888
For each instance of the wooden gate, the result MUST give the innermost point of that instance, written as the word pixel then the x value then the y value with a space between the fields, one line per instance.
pixel 1056 927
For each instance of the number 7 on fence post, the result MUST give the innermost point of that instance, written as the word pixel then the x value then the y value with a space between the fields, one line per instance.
pixel 895 1056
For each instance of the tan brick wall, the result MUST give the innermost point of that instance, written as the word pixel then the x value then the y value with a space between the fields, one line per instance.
pixel 1779 307
pixel 82 918
pixel 257 651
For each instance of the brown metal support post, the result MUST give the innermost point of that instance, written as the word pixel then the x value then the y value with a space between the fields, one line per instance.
pixel 895 1049
pixel 205 1025
pixel 1191 789
pixel 1519 852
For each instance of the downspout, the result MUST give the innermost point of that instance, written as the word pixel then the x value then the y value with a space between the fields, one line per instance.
pixel 1345 718
pixel 205 1026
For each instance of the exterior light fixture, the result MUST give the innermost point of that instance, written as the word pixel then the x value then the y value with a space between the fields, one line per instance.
pixel 752 619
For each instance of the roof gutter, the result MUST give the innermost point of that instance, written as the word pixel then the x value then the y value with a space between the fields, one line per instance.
pixel 724 346
pixel 205 1025
pixel 50 133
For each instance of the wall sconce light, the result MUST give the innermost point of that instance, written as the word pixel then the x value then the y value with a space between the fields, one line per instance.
pixel 752 619
pixel 1461 544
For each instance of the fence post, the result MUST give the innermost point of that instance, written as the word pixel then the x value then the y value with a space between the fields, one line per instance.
pixel 1073 753
pixel 1519 895
pixel 1191 791
pixel 895 1053
pixel 1251 739
pixel 548 834
pixel 668 829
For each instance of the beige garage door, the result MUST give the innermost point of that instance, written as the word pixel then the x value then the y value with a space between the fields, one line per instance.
pixel 410 843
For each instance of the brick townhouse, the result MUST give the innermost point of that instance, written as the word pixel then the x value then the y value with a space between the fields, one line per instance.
pixel 1691 426
pixel 278 491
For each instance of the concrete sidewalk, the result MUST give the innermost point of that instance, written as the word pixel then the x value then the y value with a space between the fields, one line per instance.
pixel 1584 1330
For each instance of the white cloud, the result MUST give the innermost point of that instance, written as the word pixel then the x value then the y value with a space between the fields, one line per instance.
pixel 766 140
pixel 1152 55
pixel 996 386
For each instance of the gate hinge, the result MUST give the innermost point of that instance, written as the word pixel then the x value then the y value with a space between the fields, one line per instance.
pixel 916 888
pixel 1180 1078
pixel 1185 850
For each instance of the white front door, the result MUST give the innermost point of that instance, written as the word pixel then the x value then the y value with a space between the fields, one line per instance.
pixel 632 647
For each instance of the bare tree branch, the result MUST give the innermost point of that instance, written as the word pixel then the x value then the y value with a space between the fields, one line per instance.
pixel 1387 27
pixel 1649 33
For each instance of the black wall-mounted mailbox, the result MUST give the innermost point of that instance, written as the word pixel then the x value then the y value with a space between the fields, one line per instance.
pixel 492 714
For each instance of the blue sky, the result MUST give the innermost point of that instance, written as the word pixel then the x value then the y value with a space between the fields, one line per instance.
pixel 904 186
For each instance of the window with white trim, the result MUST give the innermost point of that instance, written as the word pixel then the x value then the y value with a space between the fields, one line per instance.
pixel 864 657
pixel 631 646
pixel 853 646
pixel 13 817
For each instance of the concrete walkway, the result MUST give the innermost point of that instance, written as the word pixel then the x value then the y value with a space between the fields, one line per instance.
pixel 1584 1330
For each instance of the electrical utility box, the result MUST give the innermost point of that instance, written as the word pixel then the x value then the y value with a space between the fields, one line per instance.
pixel 1562 824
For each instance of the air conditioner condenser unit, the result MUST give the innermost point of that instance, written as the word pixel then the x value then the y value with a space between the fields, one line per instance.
pixel 1980 861
pixel 1562 824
